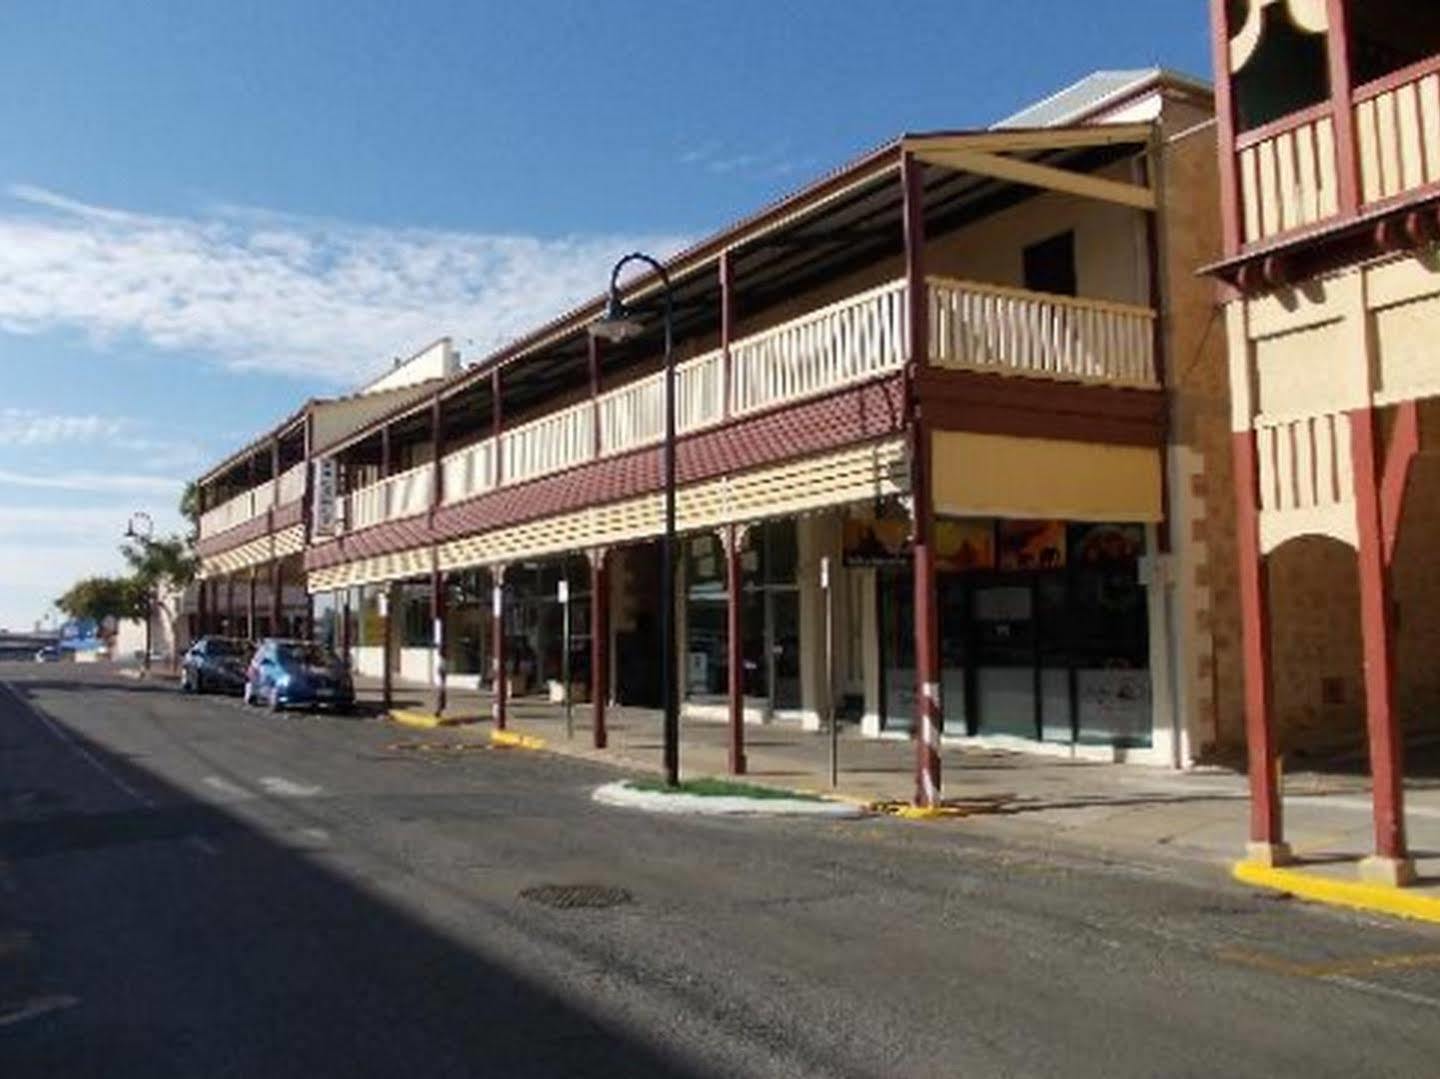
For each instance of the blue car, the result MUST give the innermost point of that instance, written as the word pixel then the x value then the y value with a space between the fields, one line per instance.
pixel 298 674
pixel 214 665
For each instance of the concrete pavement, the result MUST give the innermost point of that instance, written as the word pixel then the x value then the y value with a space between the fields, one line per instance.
pixel 1201 813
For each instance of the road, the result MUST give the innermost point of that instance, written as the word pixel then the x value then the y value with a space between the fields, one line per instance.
pixel 190 889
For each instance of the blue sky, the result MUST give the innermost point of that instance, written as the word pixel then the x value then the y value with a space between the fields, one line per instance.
pixel 210 210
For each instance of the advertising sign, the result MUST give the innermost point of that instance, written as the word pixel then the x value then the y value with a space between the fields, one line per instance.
pixel 1032 545
pixel 876 541
pixel 326 488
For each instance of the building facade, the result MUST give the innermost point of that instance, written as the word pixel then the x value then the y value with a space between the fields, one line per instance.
pixel 955 409
pixel 1329 116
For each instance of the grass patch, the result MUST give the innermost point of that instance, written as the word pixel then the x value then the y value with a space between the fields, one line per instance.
pixel 717 788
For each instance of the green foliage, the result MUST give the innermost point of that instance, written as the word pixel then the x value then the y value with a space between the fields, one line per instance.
pixel 718 788
pixel 156 563
pixel 99 598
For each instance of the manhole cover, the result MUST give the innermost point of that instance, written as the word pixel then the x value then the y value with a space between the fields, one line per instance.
pixel 576 896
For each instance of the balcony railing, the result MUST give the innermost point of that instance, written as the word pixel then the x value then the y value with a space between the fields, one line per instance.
pixel 973 327
pixel 1011 331
pixel 254 502
pixel 1397 128
pixel 405 494
pixel 1288 174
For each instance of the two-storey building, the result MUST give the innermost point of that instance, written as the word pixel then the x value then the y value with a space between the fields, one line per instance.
pixel 1329 114
pixel 968 374
pixel 254 520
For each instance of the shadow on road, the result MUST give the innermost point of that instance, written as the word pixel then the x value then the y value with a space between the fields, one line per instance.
pixel 198 944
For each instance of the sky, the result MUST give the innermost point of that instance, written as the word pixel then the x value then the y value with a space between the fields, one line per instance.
pixel 213 209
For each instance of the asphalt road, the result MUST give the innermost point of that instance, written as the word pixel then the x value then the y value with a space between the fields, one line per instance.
pixel 190 889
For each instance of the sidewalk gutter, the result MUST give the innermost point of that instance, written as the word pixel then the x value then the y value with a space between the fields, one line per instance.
pixel 1353 894
pixel 514 740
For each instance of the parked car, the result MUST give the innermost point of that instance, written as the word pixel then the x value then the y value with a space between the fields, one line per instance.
pixel 49 654
pixel 215 665
pixel 298 674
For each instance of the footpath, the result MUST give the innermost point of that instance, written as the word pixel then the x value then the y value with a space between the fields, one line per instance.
pixel 1200 814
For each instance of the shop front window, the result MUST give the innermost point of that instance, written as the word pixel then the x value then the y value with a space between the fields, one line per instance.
pixel 467 622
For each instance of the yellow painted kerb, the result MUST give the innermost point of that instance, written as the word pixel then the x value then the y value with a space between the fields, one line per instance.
pixel 1357 895
pixel 516 741
pixel 426 720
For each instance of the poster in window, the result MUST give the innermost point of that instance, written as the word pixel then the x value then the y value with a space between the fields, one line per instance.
pixel 1027 545
pixel 876 541
pixel 1106 544
pixel 962 545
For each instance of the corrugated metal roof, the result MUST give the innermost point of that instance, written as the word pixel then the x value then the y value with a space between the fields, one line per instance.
pixel 1082 98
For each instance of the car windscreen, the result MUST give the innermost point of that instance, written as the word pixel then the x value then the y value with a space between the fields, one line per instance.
pixel 304 655
pixel 217 647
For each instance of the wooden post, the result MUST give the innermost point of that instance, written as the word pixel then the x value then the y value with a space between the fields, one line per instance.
pixel 599 643
pixel 1391 862
pixel 1347 156
pixel 1267 838
pixel 727 331
pixel 733 539
pixel 250 608
pixel 277 601
pixel 929 713
pixel 1230 208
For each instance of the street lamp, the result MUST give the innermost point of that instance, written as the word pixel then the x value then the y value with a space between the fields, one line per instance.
pixel 144 534
pixel 618 323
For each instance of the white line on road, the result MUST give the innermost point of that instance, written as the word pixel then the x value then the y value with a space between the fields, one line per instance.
pixel 36 1007
pixel 286 789
pixel 230 790
pixel 80 751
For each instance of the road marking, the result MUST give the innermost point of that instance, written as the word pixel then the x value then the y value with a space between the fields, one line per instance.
pixel 69 740
pixel 1385 991
pixel 225 787
pixel 203 845
pixel 284 788
pixel 1335 969
pixel 36 1007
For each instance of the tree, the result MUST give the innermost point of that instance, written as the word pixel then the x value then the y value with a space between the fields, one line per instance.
pixel 99 598
pixel 163 569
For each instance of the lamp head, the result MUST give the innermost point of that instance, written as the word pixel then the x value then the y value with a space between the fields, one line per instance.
pixel 616 324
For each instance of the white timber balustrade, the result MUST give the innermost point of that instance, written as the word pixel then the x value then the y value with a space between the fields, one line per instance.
pixel 1289 177
pixel 634 415
pixel 1012 331
pixel 849 341
pixel 1397 127
pixel 292 485
pixel 405 494
pixel 550 444
pixel 468 472
pixel 236 511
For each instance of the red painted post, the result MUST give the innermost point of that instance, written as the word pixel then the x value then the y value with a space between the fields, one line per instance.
pixel 727 330
pixel 1392 859
pixel 599 643
pixel 387 598
pixel 1267 840
pixel 595 393
pixel 929 713
pixel 1230 208
pixel 1347 156
pixel 499 695
pixel 734 539
pixel 277 604
pixel 250 608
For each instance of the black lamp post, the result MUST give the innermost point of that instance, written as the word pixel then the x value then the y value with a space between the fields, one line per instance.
pixel 620 324
pixel 144 536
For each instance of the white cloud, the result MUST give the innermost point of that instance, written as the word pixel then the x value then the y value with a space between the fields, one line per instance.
pixel 292 295
pixel 27 427
pixel 96 482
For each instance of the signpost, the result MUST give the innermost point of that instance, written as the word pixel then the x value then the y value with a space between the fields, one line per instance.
pixel 563 595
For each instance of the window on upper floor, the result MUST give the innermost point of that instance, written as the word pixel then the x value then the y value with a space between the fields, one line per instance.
pixel 1279 62
pixel 1388 35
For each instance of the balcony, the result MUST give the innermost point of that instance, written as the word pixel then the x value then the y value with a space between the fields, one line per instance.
pixel 254 503
pixel 1289 170
pixel 974 327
